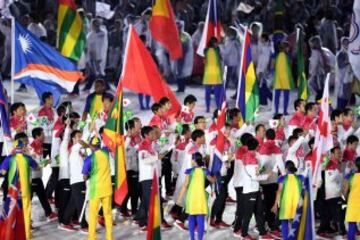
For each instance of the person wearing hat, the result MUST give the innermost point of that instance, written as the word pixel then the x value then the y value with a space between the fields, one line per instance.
pixel 18 165
pixel 97 169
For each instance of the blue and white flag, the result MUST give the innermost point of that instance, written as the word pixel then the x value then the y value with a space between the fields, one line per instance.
pixel 42 67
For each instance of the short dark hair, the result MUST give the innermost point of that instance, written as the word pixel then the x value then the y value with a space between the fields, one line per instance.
pixel 197 134
pixel 352 139
pixel 232 113
pixel 185 129
pixel 278 116
pixel 270 134
pixel 45 96
pixel 73 133
pixel 155 107
pixel 309 106
pixel 292 138
pixel 15 107
pixel 252 144
pixel 36 132
pixel 61 110
pixel 335 113
pixel 245 137
pixel 20 135
pixel 257 128
pixel 164 100
pixel 189 99
pixel 107 96
pixel 297 103
pixel 146 130
pixel 334 148
pixel 298 132
pixel 290 166
pixel 74 115
pixel 130 124
pixel 197 119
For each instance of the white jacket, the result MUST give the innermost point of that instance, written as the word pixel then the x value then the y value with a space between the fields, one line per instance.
pixel 64 172
pixel 252 178
pixel 147 163
pixel 333 184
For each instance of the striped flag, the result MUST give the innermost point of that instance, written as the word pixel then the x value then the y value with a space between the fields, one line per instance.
pixel 303 225
pixel 163 28
pixel 354 40
pixel 71 37
pixel 153 227
pixel 303 90
pixel 220 142
pixel 323 138
pixel 113 137
pixel 212 27
pixel 41 66
pixel 247 99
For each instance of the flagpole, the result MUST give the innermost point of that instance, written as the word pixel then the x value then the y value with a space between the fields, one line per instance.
pixel 126 52
pixel 240 69
pixel 12 90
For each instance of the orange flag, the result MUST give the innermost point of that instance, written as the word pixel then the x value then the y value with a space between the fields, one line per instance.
pixel 163 28
pixel 140 73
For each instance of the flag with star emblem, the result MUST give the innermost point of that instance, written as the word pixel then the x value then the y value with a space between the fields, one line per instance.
pixel 323 138
pixel 41 66
pixel 303 225
pixel 113 137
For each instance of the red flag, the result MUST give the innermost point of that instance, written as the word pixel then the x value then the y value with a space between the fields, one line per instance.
pixel 140 73
pixel 212 27
pixel 323 138
pixel 163 28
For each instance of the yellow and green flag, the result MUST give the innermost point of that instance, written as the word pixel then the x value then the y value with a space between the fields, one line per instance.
pixel 303 90
pixel 71 37
pixel 153 227
pixel 113 137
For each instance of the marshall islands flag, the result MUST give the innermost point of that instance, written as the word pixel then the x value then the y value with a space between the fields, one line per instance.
pixel 42 67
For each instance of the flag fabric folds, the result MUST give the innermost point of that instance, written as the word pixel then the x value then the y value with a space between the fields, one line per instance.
pixel 71 37
pixel 303 225
pixel 12 226
pixel 113 137
pixel 140 73
pixel 153 227
pixel 354 40
pixel 212 27
pixel 247 99
pixel 4 116
pixel 323 138
pixel 163 28
pixel 42 67
pixel 303 90
pixel 220 142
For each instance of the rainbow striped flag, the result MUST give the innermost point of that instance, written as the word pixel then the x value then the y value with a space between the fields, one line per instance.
pixel 303 91
pixel 113 138
pixel 153 227
pixel 247 99
pixel 71 37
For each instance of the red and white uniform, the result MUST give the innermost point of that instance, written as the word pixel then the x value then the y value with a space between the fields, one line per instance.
pixel 36 150
pixel 157 121
pixel 238 177
pixel 47 113
pixel 148 159
pixel 270 158
pixel 17 122
pixel 131 149
pixel 295 122
pixel 348 161
pixel 186 116
pixel 333 180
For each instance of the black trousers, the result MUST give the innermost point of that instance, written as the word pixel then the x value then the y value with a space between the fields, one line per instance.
pixel 253 205
pixel 52 185
pixel 134 191
pixel 75 204
pixel 47 150
pixel 239 209
pixel 269 192
pixel 166 171
pixel 337 214
pixel 64 197
pixel 218 207
pixel 142 213
pixel 322 207
pixel 37 186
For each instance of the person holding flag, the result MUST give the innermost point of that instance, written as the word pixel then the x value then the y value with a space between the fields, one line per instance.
pixel 18 166
pixel 97 169
pixel 196 196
